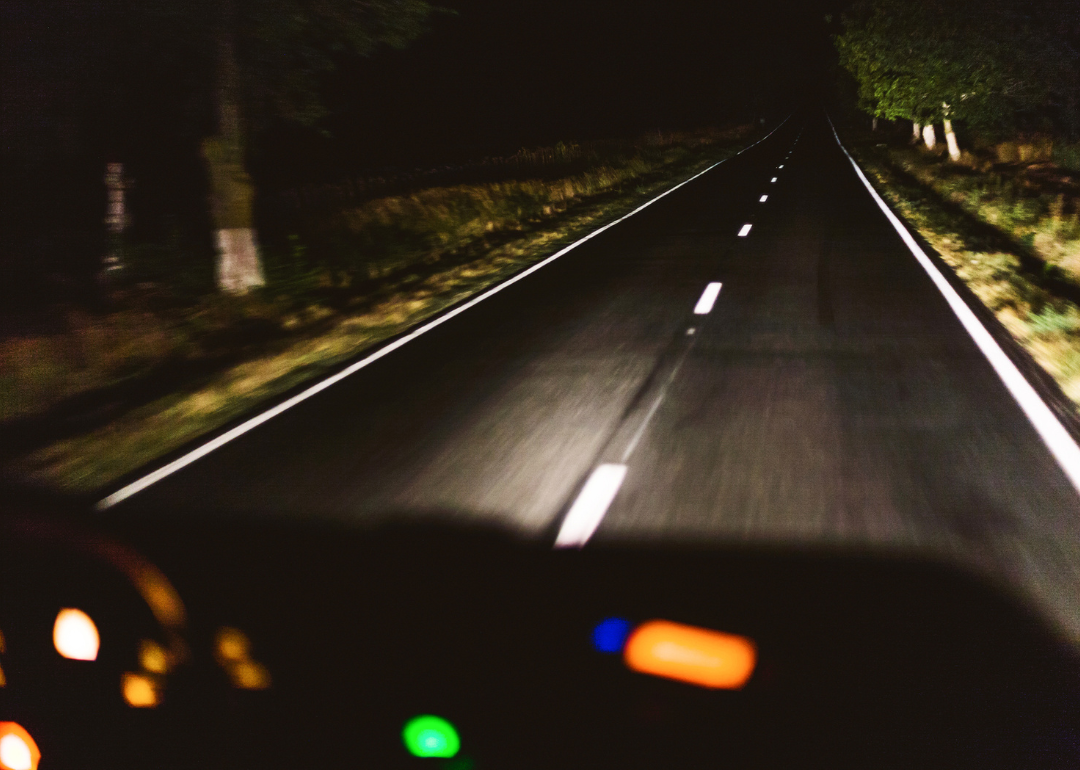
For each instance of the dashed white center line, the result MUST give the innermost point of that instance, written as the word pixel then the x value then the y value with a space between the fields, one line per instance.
pixel 591 505
pixel 773 180
pixel 781 165
pixel 763 198
pixel 708 299
pixel 745 231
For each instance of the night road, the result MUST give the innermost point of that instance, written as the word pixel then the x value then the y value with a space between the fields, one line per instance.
pixel 826 395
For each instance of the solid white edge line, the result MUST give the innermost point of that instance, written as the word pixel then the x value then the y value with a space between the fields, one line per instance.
pixel 708 299
pixel 590 506
pixel 745 231
pixel 1053 433
pixel 201 451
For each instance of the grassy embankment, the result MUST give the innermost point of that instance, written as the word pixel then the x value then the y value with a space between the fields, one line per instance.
pixel 99 395
pixel 1007 220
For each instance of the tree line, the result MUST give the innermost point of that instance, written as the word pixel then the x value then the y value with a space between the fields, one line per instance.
pixel 996 66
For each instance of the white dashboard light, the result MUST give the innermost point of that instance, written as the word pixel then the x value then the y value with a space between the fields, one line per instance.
pixel 14 753
pixel 18 751
pixel 75 636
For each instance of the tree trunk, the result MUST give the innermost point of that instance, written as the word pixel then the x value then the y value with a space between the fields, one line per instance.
pixel 929 136
pixel 916 131
pixel 950 137
pixel 232 193
pixel 873 124
pixel 950 140
pixel 116 219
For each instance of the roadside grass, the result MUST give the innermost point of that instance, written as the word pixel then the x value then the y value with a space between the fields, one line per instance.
pixel 97 396
pixel 1011 232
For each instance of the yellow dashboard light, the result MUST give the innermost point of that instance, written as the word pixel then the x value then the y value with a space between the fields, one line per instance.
pixel 140 690
pixel 75 636
pixel 232 650
pixel 17 749
pixel 690 654
pixel 231 645
pixel 249 675
pixel 153 657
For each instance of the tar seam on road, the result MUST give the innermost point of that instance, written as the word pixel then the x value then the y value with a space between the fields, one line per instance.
pixel 219 441
pixel 604 482
pixel 590 506
pixel 1046 424
pixel 655 404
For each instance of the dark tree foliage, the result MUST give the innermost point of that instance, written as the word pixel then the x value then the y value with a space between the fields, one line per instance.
pixel 995 64
pixel 85 81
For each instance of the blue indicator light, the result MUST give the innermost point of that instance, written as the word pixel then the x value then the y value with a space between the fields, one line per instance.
pixel 610 635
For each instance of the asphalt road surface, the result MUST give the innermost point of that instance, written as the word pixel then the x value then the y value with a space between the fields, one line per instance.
pixel 829 397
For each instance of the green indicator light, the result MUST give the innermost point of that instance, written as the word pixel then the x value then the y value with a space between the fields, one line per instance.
pixel 430 736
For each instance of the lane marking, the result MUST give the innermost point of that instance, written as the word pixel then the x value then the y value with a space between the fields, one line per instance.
pixel 216 443
pixel 1053 433
pixel 708 299
pixel 773 180
pixel 781 165
pixel 763 198
pixel 745 231
pixel 591 505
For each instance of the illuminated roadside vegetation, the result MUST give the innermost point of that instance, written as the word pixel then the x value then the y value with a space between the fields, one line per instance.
pixel 1009 228
pixel 92 396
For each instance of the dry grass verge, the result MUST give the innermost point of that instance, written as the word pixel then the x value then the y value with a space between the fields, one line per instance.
pixel 170 372
pixel 1011 233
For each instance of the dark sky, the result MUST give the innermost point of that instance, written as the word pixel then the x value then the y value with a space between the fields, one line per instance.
pixel 538 70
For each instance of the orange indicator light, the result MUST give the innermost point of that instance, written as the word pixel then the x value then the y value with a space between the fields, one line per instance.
pixel 17 749
pixel 690 654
